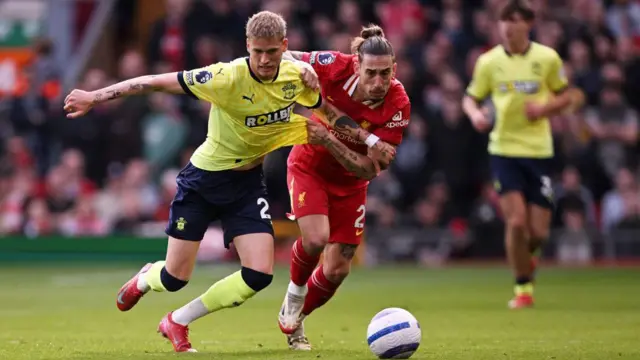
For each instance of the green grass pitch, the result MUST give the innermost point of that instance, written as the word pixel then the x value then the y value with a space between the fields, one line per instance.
pixel 57 312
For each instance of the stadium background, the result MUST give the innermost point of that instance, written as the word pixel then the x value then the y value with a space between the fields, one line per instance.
pixel 112 173
pixel 83 203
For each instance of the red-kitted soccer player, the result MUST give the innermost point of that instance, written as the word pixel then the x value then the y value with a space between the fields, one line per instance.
pixel 328 185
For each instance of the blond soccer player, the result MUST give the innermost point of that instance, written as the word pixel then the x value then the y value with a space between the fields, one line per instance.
pixel 251 115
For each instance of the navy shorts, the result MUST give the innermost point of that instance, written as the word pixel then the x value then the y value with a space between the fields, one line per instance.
pixel 237 198
pixel 529 176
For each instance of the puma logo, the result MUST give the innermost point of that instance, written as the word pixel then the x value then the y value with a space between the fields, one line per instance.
pixel 244 97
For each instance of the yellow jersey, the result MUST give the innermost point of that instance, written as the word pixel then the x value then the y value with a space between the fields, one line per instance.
pixel 249 118
pixel 512 80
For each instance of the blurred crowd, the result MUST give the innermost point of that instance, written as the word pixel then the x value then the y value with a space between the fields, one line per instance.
pixel 114 170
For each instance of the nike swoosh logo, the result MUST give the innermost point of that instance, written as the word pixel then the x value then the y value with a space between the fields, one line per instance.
pixel 359 232
pixel 120 301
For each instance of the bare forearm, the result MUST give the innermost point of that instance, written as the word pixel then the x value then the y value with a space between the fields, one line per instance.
pixel 470 106
pixel 558 104
pixel 141 85
pixel 360 165
pixel 135 86
pixel 293 55
pixel 342 123
pixel 345 125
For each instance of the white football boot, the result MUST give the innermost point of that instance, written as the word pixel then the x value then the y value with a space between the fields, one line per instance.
pixel 297 340
pixel 290 315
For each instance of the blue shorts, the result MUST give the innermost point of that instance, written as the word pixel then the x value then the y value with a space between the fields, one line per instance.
pixel 529 176
pixel 237 198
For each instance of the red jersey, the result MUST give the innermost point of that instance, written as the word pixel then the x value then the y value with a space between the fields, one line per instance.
pixel 386 119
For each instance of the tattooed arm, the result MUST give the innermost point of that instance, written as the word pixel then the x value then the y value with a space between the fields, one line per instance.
pixel 360 165
pixel 340 121
pixel 343 124
pixel 381 152
pixel 79 102
pixel 141 85
pixel 293 55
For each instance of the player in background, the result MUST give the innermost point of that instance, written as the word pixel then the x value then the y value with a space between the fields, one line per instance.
pixel 251 115
pixel 328 189
pixel 527 84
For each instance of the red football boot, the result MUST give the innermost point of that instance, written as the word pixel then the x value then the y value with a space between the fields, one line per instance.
pixel 176 333
pixel 129 295
pixel 521 301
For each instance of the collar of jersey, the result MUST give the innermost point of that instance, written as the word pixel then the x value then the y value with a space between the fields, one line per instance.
pixel 523 53
pixel 255 77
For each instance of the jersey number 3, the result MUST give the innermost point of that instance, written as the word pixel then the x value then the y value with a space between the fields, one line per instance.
pixel 547 188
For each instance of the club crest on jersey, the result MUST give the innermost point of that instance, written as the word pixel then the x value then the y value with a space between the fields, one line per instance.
pixel 203 76
pixel 289 91
pixel 326 58
pixel 282 115
pixel 536 69
pixel 519 86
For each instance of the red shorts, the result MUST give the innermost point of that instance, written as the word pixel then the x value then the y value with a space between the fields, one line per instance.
pixel 311 195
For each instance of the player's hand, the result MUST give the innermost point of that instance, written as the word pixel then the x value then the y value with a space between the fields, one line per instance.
pixel 317 134
pixel 386 152
pixel 78 103
pixel 480 120
pixel 534 111
pixel 309 76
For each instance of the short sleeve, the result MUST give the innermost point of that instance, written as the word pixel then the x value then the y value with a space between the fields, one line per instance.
pixel 310 98
pixel 480 86
pixel 393 129
pixel 209 83
pixel 557 79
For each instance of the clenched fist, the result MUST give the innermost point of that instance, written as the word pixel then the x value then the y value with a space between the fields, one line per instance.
pixel 384 153
pixel 308 76
pixel 78 103
pixel 480 120
pixel 317 134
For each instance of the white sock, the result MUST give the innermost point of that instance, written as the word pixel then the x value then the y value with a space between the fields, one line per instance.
pixel 142 283
pixel 190 312
pixel 297 290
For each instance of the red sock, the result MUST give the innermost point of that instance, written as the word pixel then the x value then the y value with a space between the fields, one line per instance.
pixel 320 291
pixel 302 264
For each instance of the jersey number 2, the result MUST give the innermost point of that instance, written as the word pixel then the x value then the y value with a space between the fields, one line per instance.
pixel 264 212
pixel 359 224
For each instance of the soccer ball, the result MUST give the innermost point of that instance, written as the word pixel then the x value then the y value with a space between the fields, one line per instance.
pixel 394 334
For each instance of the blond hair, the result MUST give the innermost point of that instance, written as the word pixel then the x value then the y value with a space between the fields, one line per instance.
pixel 266 24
